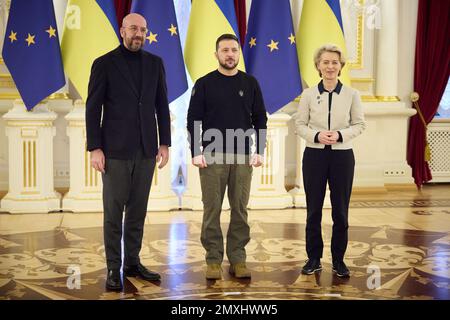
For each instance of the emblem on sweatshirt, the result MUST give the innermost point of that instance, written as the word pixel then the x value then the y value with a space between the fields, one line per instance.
pixel 241 93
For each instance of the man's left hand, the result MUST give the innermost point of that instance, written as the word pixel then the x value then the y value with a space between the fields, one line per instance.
pixel 163 156
pixel 256 160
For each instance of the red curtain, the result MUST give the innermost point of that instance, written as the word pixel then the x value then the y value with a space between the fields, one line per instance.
pixel 431 72
pixel 122 9
pixel 239 7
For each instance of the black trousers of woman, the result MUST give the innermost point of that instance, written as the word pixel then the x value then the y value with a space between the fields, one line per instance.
pixel 337 168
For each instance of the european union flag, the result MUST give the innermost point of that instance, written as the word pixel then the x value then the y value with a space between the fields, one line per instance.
pixel 163 39
pixel 31 50
pixel 270 52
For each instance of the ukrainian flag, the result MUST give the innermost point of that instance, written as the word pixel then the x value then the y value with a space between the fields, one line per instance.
pixel 209 19
pixel 320 23
pixel 90 30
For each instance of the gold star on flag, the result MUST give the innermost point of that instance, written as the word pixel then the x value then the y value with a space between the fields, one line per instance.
pixel 13 36
pixel 173 30
pixel 273 45
pixel 51 32
pixel 292 38
pixel 30 39
pixel 252 42
pixel 152 37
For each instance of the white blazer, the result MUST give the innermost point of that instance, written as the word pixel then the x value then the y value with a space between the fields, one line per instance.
pixel 346 116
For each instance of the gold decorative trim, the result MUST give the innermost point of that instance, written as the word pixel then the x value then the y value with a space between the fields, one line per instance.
pixel 38 123
pixel 155 176
pixel 266 175
pixel 387 98
pixel 358 64
pixel 77 124
pixel 362 80
pixel 28 133
pixel 2 61
pixel 28 200
pixel 34 164
pixel 10 96
pixel 369 98
pixel 6 81
pixel 24 159
pixel 27 193
pixel 59 96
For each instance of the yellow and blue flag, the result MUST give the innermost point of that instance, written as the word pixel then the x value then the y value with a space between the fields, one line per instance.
pixel 209 19
pixel 31 50
pixel 320 23
pixel 90 30
pixel 270 52
pixel 163 40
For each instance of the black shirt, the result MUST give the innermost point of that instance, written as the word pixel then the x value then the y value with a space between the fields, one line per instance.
pixel 134 62
pixel 227 102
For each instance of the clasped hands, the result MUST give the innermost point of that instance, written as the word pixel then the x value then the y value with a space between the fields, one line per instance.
pixel 256 160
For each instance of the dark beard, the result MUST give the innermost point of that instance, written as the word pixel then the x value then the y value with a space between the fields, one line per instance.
pixel 225 66
pixel 133 47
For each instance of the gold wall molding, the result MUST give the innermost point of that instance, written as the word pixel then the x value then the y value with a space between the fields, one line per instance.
pixel 9 96
pixel 59 96
pixel 388 98
pixel 358 64
pixel 6 81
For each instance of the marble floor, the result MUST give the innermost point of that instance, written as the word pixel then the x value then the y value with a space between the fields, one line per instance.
pixel 399 249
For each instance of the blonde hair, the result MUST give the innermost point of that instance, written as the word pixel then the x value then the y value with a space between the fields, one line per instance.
pixel 328 48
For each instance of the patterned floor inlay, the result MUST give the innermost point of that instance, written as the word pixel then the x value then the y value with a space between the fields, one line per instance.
pixel 400 203
pixel 386 263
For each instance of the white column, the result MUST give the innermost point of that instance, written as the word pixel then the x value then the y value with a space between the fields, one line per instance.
pixel 162 197
pixel 85 193
pixel 192 196
pixel 268 190
pixel 298 193
pixel 30 137
pixel 387 52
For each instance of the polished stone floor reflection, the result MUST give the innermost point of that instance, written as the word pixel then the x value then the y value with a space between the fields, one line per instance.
pixel 399 249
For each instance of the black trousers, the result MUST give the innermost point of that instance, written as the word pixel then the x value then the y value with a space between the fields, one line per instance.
pixel 126 186
pixel 337 168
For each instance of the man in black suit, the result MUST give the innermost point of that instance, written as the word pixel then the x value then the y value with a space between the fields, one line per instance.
pixel 128 85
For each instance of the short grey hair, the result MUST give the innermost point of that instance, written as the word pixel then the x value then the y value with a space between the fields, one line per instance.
pixel 329 47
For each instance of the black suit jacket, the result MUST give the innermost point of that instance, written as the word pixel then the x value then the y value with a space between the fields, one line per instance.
pixel 129 115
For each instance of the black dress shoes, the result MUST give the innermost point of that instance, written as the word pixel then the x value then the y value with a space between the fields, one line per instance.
pixel 312 266
pixel 340 269
pixel 140 271
pixel 113 280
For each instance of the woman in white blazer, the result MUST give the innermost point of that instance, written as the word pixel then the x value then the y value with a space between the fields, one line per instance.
pixel 330 116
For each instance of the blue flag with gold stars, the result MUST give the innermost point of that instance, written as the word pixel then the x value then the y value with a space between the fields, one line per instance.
pixel 270 52
pixel 31 50
pixel 163 40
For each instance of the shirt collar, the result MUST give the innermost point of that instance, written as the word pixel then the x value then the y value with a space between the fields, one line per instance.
pixel 337 89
